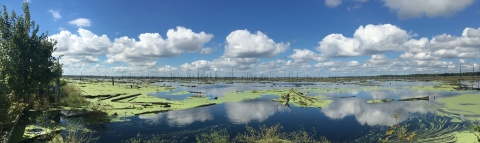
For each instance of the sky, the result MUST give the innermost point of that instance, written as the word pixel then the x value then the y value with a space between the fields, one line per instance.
pixel 318 38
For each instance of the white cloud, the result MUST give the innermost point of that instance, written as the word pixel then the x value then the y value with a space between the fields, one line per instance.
pixel 167 68
pixel 84 47
pixel 152 46
pixel 371 39
pixel 429 8
pixel 243 44
pixel 80 22
pixel 199 65
pixel 56 14
pixel 333 3
pixel 207 51
pixel 305 55
pixel 444 46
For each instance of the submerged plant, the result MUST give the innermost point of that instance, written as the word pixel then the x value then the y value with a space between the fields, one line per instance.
pixel 428 128
pixel 400 130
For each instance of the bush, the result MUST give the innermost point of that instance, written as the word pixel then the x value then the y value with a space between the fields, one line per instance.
pixel 71 96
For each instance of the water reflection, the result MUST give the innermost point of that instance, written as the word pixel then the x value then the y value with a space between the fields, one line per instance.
pixel 373 114
pixel 245 112
pixel 179 118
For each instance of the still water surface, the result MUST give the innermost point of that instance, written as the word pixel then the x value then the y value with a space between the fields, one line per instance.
pixel 345 119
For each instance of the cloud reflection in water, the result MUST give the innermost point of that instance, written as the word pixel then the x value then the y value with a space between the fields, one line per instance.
pixel 245 112
pixel 373 114
pixel 179 118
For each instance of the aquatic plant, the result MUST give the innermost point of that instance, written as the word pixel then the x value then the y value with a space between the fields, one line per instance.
pixel 216 136
pixel 400 130
pixel 140 139
pixel 74 133
pixel 427 127
pixel 273 135
pixel 476 130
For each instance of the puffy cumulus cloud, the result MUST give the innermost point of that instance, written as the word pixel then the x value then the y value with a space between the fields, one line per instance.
pixel 444 46
pixel 84 47
pixel 245 112
pixel 305 55
pixel 352 63
pixel 429 8
pixel 80 22
pixel 167 68
pixel 207 50
pixel 371 39
pixel 243 44
pixel 200 65
pixel 152 46
pixel 241 64
pixel 372 115
pixel 333 3
pixel 338 66
pixel 56 14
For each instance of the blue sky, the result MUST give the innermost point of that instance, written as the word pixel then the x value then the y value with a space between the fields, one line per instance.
pixel 312 37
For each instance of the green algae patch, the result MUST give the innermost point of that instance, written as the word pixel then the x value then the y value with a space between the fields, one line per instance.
pixel 104 88
pixel 466 137
pixel 443 87
pixel 34 131
pixel 298 99
pixel 466 105
pixel 124 99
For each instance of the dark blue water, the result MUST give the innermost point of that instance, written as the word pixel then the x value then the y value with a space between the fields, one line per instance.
pixel 234 117
pixel 345 119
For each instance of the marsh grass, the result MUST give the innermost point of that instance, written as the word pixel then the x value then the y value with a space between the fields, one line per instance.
pixel 71 96
pixel 264 134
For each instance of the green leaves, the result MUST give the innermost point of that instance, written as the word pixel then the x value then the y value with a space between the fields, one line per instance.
pixel 25 57
pixel 26 63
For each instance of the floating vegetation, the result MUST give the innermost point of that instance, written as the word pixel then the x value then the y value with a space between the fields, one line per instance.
pixel 463 107
pixel 297 98
pixel 427 128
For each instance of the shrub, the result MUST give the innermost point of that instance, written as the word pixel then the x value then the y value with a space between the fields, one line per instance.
pixel 71 96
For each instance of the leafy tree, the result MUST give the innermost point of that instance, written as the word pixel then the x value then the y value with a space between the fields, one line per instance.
pixel 26 59
pixel 26 63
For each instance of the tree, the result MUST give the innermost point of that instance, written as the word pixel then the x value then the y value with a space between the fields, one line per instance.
pixel 26 63
pixel 26 59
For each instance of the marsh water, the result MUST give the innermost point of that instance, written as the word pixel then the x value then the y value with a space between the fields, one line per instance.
pixel 348 118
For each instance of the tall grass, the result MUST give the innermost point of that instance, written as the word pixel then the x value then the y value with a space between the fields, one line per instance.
pixel 71 96
pixel 272 134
